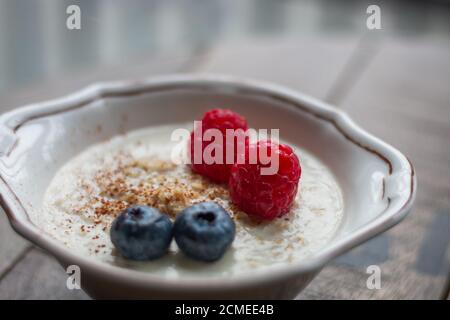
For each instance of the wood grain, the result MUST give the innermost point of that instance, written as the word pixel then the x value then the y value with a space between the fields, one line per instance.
pixel 70 83
pixel 11 244
pixel 37 276
pixel 310 65
pixel 403 98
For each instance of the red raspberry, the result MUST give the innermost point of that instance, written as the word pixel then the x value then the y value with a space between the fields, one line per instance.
pixel 220 119
pixel 265 196
pixel 223 119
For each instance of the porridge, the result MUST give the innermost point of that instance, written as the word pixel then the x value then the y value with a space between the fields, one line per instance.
pixel 93 188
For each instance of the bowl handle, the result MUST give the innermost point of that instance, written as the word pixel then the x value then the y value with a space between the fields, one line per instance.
pixel 398 184
pixel 8 140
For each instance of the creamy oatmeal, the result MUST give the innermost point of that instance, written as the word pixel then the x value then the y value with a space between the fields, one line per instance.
pixel 93 188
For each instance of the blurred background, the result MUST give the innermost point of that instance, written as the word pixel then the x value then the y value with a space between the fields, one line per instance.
pixel 157 36
pixel 394 81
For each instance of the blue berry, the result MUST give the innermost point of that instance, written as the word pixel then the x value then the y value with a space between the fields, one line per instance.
pixel 204 231
pixel 141 233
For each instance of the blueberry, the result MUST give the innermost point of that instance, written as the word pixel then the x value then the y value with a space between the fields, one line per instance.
pixel 141 233
pixel 204 231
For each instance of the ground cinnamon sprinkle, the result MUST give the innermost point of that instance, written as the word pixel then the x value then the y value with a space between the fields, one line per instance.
pixel 149 181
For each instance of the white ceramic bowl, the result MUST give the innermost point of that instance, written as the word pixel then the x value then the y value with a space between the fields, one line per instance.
pixel 377 181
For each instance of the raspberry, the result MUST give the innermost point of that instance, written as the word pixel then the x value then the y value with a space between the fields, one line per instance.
pixel 265 196
pixel 221 119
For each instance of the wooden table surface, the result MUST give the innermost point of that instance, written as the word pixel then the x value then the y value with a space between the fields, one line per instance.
pixel 397 88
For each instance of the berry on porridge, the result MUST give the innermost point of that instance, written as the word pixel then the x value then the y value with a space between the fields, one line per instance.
pixel 141 233
pixel 266 196
pixel 220 119
pixel 204 231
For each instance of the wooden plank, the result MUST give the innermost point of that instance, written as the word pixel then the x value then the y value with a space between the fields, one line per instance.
pixel 71 82
pixel 38 276
pixel 346 277
pixel 310 65
pixel 11 244
pixel 403 98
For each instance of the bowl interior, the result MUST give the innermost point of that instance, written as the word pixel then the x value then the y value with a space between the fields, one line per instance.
pixel 45 143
